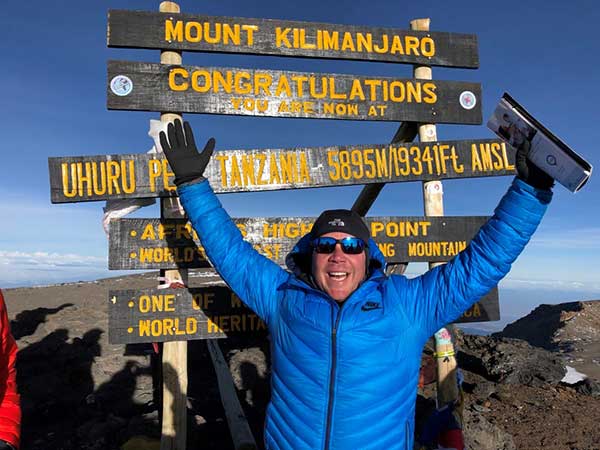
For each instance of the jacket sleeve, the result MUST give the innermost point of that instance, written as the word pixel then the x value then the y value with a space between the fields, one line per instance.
pixel 252 276
pixel 10 410
pixel 446 291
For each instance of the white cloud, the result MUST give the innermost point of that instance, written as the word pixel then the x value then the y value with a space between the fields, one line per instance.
pixel 49 260
pixel 43 268
pixel 571 239
pixel 563 285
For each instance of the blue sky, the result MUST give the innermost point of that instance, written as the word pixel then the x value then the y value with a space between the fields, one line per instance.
pixel 54 104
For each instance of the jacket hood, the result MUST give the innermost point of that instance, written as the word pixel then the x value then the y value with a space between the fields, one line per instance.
pixel 299 260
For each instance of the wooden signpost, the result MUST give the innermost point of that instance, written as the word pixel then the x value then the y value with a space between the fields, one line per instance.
pixel 163 315
pixel 210 312
pixel 164 244
pixel 200 33
pixel 275 93
pixel 174 316
pixel 102 177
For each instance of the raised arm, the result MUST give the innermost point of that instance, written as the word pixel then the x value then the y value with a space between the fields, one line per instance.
pixel 253 277
pixel 445 292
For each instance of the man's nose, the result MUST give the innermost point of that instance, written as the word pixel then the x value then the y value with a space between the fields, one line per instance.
pixel 338 253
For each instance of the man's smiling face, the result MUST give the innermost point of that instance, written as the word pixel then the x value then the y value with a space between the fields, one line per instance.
pixel 338 274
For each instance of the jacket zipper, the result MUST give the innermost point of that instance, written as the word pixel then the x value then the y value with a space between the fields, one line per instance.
pixel 332 376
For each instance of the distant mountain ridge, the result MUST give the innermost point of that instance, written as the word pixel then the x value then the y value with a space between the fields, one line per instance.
pixel 572 329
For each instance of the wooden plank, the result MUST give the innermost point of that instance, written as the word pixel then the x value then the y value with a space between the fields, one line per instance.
pixel 201 33
pixel 100 177
pixel 485 310
pixel 241 435
pixel 211 312
pixel 406 133
pixel 276 93
pixel 156 244
pixel 167 315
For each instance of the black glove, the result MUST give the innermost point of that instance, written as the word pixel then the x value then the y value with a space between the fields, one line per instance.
pixel 5 445
pixel 529 172
pixel 180 150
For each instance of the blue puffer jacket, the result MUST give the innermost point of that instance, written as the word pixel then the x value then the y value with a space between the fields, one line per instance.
pixel 346 377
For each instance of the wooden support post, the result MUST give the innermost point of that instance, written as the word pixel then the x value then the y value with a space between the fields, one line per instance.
pixel 406 132
pixel 447 389
pixel 241 434
pixel 174 357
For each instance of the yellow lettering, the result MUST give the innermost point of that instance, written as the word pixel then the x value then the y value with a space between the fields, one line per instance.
pixel 64 167
pixel 174 85
pixel 412 45
pixel 148 232
pixel 223 172
pixel 364 43
pixel 173 33
pixel 347 42
pixel 396 45
pixel 431 96
pixel 384 45
pixel 230 34
pixel 250 29
pixel 214 39
pixel 196 86
pixel 281 37
pixel 144 304
pixel 248 169
pixel 356 90
pixel 144 328
pixel 475 161
pixel 283 86
pixel 427 47
pixel 193 32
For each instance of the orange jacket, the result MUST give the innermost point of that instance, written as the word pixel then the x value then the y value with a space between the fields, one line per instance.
pixel 10 411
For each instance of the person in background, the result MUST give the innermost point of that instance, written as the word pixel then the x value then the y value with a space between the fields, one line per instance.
pixel 10 409
pixel 346 339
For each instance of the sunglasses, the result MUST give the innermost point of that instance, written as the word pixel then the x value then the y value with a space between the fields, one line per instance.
pixel 350 245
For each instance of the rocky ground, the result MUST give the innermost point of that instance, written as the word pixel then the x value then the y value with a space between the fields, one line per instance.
pixel 80 392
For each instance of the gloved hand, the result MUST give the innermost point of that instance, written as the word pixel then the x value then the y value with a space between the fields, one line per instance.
pixel 180 150
pixel 529 172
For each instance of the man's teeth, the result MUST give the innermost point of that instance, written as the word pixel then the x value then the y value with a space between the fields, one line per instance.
pixel 338 275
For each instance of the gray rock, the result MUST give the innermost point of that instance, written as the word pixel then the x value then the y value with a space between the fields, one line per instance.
pixel 587 387
pixel 510 361
pixel 480 434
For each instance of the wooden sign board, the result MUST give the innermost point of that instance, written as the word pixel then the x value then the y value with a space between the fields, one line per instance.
pixel 89 178
pixel 168 244
pixel 276 93
pixel 161 315
pixel 198 33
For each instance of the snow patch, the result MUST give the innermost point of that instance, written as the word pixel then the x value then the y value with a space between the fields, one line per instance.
pixel 573 376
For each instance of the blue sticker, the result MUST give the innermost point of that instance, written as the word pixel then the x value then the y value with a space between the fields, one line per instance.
pixel 467 100
pixel 121 85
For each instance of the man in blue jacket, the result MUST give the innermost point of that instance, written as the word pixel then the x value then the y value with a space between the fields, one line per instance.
pixel 346 338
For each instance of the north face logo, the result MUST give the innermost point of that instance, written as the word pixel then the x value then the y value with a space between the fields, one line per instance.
pixel 337 223
pixel 369 306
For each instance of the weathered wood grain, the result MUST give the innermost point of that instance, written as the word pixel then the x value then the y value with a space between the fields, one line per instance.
pixel 156 244
pixel 89 178
pixel 276 93
pixel 201 33
pixel 163 315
